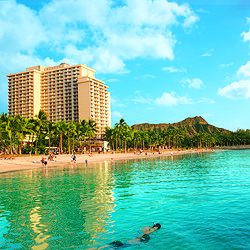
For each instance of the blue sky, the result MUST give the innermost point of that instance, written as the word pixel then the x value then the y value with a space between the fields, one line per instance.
pixel 163 60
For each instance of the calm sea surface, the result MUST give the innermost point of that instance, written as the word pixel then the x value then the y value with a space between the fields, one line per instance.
pixel 202 202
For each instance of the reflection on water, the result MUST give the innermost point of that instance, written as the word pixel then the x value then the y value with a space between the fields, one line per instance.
pixel 201 201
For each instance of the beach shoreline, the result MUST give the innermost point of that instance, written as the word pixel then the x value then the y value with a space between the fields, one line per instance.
pixel 20 163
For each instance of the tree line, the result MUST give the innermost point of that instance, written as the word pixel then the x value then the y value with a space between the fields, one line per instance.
pixel 22 135
pixel 121 136
pixel 40 133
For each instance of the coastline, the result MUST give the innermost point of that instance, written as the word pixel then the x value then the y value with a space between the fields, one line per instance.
pixel 20 163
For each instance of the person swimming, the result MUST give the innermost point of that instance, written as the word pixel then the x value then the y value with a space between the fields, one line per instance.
pixel 119 245
pixel 143 237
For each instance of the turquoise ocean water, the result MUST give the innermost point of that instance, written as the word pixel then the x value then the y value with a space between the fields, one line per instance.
pixel 201 200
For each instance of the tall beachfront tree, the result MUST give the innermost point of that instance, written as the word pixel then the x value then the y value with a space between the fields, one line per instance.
pixel 11 127
pixel 41 120
pixel 84 132
pixel 71 129
pixel 90 131
pixel 3 133
pixel 61 129
pixel 109 136
pixel 122 132
pixel 144 138
pixel 33 129
pixel 152 137
pixel 23 129
pixel 51 130
pixel 136 138
pixel 79 133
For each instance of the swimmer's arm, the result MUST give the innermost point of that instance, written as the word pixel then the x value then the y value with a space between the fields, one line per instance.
pixel 95 248
pixel 104 247
pixel 147 230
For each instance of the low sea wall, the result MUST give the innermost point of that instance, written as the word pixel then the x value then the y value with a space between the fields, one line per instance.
pixel 237 147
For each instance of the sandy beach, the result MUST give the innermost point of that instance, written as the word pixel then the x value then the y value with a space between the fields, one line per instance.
pixel 26 162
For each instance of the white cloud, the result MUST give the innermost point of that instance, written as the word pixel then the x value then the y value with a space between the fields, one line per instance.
pixel 169 99
pixel 140 99
pixel 236 90
pixel 246 36
pixel 116 103
pixel 97 32
pixel 195 83
pixel 21 29
pixel 203 11
pixel 244 71
pixel 116 114
pixel 240 89
pixel 206 100
pixel 149 76
pixel 222 66
pixel 190 21
pixel 173 70
pixel 208 53
pixel 186 81
pixel 113 80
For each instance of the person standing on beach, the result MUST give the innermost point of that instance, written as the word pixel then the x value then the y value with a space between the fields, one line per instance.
pixel 74 158
pixel 43 160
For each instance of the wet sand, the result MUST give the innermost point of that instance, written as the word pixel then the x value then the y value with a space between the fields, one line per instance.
pixel 26 162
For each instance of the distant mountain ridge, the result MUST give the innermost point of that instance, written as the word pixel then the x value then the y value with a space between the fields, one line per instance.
pixel 193 125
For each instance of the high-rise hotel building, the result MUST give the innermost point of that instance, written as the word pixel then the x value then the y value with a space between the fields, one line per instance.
pixel 69 93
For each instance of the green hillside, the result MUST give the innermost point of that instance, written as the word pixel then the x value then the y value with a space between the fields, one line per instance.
pixel 192 126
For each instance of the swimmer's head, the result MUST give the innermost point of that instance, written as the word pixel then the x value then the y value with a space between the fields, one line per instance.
pixel 145 238
pixel 158 225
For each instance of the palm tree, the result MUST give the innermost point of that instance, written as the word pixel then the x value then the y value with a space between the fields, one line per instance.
pixel 51 129
pixel 10 126
pixel 79 132
pixel 23 129
pixel 71 128
pixel 145 138
pixel 125 134
pixel 61 128
pixel 137 138
pixel 109 136
pixel 41 120
pixel 164 136
pixel 33 130
pixel 152 137
pixel 91 130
